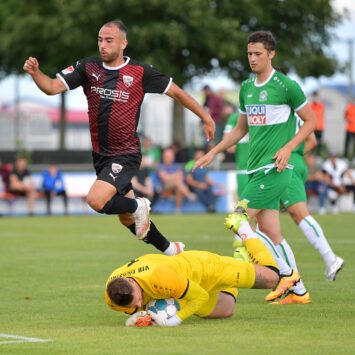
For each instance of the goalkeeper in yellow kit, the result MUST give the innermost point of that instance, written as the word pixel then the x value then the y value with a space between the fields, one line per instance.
pixel 205 282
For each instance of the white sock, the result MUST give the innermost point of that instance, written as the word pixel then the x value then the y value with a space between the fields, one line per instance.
pixel 139 204
pixel 281 263
pixel 245 231
pixel 314 233
pixel 287 253
pixel 170 250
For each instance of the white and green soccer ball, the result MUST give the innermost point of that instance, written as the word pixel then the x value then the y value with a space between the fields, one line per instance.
pixel 165 307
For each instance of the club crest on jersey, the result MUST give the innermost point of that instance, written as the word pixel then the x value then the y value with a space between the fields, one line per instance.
pixel 127 80
pixel 116 168
pixel 68 70
pixel 263 95
pixel 256 115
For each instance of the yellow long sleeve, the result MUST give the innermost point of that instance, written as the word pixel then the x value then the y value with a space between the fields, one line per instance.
pixel 195 297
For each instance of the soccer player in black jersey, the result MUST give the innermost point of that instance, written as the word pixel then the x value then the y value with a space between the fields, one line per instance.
pixel 115 86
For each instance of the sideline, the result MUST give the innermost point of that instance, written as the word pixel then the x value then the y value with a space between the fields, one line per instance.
pixel 20 339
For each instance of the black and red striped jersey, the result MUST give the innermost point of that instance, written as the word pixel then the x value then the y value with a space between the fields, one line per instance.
pixel 114 96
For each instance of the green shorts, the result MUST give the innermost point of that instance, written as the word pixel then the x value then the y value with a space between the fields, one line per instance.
pixel 242 181
pixel 296 191
pixel 264 191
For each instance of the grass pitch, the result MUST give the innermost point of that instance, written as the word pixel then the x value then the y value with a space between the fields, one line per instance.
pixel 53 271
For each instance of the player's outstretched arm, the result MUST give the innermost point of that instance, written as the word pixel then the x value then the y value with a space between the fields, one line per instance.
pixel 46 84
pixel 229 139
pixel 176 93
pixel 195 297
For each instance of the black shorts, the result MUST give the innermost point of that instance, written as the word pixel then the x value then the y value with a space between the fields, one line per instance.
pixel 117 170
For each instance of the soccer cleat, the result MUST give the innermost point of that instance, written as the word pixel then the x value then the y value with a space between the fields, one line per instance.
pixel 237 242
pixel 332 270
pixel 294 298
pixel 241 206
pixel 284 284
pixel 141 218
pixel 240 252
pixel 179 247
pixel 233 220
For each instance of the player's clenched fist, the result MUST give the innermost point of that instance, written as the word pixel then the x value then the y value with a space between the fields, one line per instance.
pixel 31 65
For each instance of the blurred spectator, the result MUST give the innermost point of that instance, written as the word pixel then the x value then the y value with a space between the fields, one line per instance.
pixel 339 178
pixel 5 171
pixel 53 185
pixel 350 129
pixel 21 183
pixel 318 107
pixel 142 182
pixel 171 178
pixel 150 153
pixel 228 107
pixel 200 183
pixel 181 154
pixel 316 182
pixel 214 105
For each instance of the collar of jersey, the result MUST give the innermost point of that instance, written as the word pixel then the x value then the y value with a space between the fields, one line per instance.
pixel 127 59
pixel 266 81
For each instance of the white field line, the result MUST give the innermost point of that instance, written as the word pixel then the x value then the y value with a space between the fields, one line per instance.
pixel 20 339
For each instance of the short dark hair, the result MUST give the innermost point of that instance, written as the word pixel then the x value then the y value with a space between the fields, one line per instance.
pixel 119 24
pixel 264 37
pixel 120 291
pixel 280 69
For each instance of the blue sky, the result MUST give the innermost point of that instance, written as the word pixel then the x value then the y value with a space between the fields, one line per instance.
pixel 76 99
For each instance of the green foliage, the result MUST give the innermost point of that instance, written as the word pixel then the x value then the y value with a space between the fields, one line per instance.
pixel 53 272
pixel 182 38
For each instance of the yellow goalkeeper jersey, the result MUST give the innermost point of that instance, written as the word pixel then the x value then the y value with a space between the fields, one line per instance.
pixel 191 276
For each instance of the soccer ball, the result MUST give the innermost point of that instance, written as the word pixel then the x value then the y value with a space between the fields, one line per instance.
pixel 166 308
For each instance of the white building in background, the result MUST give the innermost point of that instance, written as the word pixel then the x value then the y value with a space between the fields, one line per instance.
pixel 156 121
pixel 35 125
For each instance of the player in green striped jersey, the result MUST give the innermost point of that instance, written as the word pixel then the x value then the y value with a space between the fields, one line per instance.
pixel 268 103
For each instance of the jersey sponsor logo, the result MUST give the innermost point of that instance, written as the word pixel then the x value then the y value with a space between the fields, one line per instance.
pixel 68 70
pixel 256 115
pixel 127 80
pixel 263 95
pixel 115 95
pixel 116 168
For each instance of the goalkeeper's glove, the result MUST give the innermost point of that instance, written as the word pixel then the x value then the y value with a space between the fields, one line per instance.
pixel 139 319
pixel 163 322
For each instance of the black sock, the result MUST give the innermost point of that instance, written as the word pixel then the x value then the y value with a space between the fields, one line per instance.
pixel 153 237
pixel 119 204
